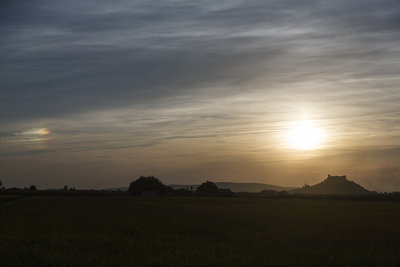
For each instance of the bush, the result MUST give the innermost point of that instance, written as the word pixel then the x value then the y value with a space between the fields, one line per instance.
pixel 32 188
pixel 145 184
pixel 207 189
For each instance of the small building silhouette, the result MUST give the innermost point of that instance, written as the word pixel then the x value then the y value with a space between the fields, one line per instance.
pixel 330 177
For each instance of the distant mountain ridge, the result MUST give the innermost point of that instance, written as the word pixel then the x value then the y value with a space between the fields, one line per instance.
pixel 238 187
pixel 333 185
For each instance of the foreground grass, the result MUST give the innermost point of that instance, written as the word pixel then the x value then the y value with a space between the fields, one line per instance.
pixel 121 231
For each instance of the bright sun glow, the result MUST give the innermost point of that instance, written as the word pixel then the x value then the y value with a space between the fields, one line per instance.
pixel 305 135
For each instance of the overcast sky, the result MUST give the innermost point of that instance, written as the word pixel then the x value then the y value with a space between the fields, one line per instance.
pixel 94 94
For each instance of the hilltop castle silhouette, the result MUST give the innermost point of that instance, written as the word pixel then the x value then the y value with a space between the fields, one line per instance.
pixel 333 185
pixel 343 177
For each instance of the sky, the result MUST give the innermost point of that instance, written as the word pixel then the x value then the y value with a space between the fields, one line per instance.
pixel 94 94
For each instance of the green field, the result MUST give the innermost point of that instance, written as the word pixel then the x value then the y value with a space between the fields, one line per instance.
pixel 128 231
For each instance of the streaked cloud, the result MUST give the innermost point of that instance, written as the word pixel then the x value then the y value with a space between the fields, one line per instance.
pixel 105 82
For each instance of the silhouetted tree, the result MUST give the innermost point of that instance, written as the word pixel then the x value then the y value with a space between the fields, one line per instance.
pixel 32 188
pixel 65 187
pixel 149 183
pixel 207 189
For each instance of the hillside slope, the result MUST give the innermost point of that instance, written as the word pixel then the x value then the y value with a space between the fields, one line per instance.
pixel 239 187
pixel 251 187
pixel 333 185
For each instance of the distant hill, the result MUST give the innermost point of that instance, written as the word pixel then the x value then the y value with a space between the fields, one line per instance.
pixel 239 187
pixel 333 185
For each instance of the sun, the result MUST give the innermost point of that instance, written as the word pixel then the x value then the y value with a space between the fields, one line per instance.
pixel 305 135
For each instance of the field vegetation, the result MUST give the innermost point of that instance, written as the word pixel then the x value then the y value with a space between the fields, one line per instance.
pixel 182 231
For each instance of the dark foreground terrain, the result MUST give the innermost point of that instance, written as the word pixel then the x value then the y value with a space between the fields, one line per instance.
pixel 128 231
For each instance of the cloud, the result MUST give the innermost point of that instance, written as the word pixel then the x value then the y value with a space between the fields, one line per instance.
pixel 180 75
pixel 62 60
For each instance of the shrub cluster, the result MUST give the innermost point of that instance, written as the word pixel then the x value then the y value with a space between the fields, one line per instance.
pixel 152 186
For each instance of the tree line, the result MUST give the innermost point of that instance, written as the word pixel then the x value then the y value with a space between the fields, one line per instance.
pixel 152 186
pixel 146 186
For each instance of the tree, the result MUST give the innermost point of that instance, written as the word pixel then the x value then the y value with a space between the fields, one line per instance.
pixel 1 183
pixel 148 183
pixel 32 188
pixel 207 189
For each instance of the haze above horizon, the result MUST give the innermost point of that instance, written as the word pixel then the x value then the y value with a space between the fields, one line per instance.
pixel 97 93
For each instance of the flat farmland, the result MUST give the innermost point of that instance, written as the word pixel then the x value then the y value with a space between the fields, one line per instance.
pixel 129 231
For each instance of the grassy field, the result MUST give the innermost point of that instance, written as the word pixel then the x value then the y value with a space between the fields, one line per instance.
pixel 127 231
